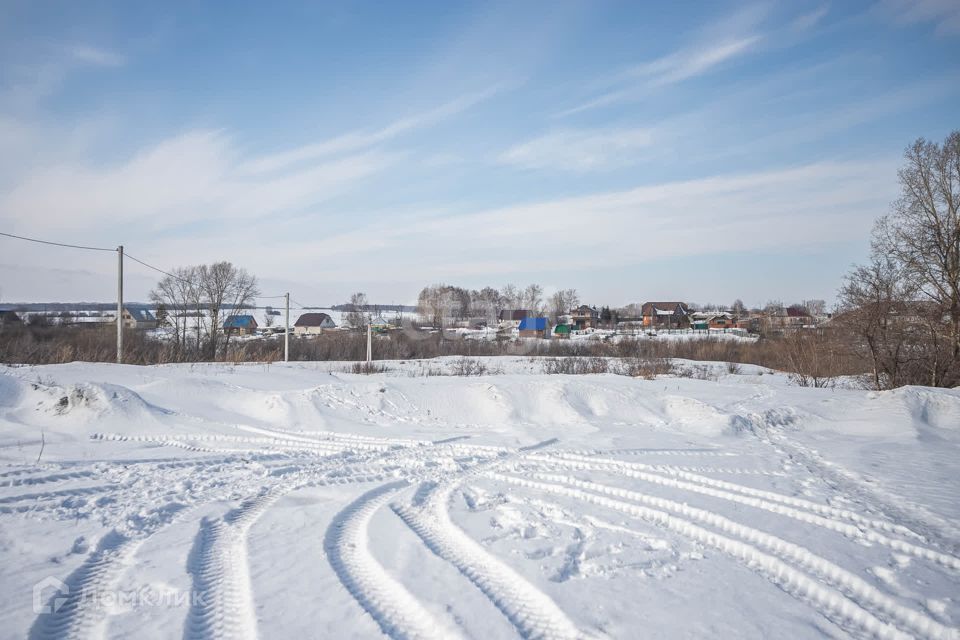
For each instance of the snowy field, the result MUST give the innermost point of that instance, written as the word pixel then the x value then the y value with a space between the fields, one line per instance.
pixel 216 501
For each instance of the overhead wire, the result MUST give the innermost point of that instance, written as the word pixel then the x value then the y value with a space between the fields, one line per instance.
pixel 56 244
pixel 125 253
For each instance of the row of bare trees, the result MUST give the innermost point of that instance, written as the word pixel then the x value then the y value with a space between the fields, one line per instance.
pixel 196 300
pixel 440 304
pixel 902 308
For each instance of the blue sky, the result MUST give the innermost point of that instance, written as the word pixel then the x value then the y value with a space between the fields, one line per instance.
pixel 695 151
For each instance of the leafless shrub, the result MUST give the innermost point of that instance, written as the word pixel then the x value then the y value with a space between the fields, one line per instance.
pixel 576 365
pixel 366 368
pixel 696 371
pixel 646 368
pixel 468 367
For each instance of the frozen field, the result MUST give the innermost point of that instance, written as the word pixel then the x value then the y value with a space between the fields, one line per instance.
pixel 216 501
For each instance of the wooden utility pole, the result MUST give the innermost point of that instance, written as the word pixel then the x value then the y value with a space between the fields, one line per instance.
pixel 286 330
pixel 369 342
pixel 120 304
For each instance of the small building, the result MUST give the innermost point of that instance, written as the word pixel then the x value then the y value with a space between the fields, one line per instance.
pixel 512 317
pixel 703 320
pixel 585 317
pixel 561 331
pixel 138 319
pixel 310 323
pixel 534 328
pixel 665 315
pixel 782 320
pixel 240 325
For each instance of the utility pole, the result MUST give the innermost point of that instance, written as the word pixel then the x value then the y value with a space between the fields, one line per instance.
pixel 369 342
pixel 120 304
pixel 286 330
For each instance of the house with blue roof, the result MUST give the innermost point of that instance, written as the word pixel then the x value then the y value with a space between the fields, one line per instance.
pixel 240 325
pixel 534 328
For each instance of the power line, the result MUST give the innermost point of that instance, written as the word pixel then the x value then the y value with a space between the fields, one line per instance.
pixel 56 244
pixel 150 266
pixel 127 255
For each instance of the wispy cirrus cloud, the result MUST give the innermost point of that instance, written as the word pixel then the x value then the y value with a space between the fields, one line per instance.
pixel 670 69
pixel 785 208
pixel 943 14
pixel 578 150
pixel 356 140
pixel 95 56
pixel 192 178
pixel 809 20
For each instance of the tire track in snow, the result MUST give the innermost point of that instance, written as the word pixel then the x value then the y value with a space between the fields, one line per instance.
pixel 388 602
pixel 809 505
pixel 530 610
pixel 221 599
pixel 920 519
pixel 852 600
pixel 78 612
pixel 848 530
pixel 56 477
pixel 709 453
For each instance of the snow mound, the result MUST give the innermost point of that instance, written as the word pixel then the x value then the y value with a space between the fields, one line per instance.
pixel 100 402
pixel 693 416
pixel 937 408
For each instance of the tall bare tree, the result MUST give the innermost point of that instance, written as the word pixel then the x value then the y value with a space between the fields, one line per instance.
pixel 180 293
pixel 224 285
pixel 922 233
pixel 562 302
pixel 533 298
pixel 358 315
pixel 872 301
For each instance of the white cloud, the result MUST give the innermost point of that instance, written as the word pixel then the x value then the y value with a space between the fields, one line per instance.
pixel 192 177
pixel 670 69
pixel 95 56
pixel 695 61
pixel 809 20
pixel 944 14
pixel 578 150
pixel 788 210
pixel 362 139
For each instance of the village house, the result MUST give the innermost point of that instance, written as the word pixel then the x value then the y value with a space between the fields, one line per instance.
pixel 665 315
pixel 705 320
pixel 138 319
pixel 310 323
pixel 584 317
pixel 240 325
pixel 783 320
pixel 509 318
pixel 534 328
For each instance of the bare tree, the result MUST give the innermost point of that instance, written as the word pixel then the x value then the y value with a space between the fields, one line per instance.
pixel 922 234
pixel 487 303
pixel 816 308
pixel 180 294
pixel 533 298
pixel 224 285
pixel 357 316
pixel 871 302
pixel 512 296
pixel 562 302
pixel 738 309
